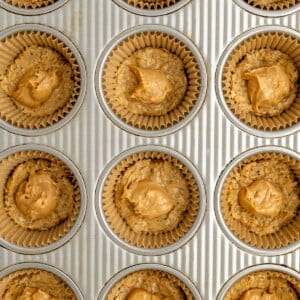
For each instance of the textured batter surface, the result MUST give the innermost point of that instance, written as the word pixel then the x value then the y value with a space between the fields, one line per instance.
pixel 157 283
pixel 16 285
pixel 168 179
pixel 274 284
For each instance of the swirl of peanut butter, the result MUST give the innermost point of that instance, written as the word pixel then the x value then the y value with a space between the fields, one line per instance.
pixel 36 87
pixel 153 86
pixel 150 200
pixel 261 197
pixel 141 294
pixel 267 87
pixel 30 293
pixel 37 197
pixel 259 294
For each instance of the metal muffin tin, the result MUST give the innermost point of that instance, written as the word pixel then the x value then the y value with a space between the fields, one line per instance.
pixel 257 268
pixel 267 13
pixel 152 12
pixel 217 203
pixel 83 200
pixel 219 91
pixel 101 215
pixel 101 64
pixel 109 285
pixel 46 267
pixel 91 140
pixel 83 75
pixel 32 12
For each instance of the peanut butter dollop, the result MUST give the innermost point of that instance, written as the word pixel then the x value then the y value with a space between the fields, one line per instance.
pixel 153 86
pixel 141 294
pixel 258 294
pixel 37 197
pixel 35 294
pixel 261 197
pixel 267 87
pixel 36 87
pixel 150 200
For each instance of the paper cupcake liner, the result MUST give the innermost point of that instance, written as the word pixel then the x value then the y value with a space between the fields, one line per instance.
pixel 10 48
pixel 30 5
pixel 147 240
pixel 130 279
pixel 243 284
pixel 151 5
pixel 272 40
pixel 124 50
pixel 60 283
pixel 284 4
pixel 288 234
pixel 14 233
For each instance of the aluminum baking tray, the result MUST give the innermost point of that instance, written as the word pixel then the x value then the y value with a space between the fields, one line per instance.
pixel 91 141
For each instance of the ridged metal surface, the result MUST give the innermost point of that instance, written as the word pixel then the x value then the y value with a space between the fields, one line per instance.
pixel 91 141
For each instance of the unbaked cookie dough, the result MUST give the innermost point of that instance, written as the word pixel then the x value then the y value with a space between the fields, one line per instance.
pixel 148 285
pixel 263 196
pixel 264 83
pixel 34 284
pixel 152 196
pixel 39 81
pixel 38 194
pixel 151 82
pixel 265 285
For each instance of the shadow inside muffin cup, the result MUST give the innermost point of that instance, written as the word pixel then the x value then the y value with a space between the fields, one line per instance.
pixel 124 46
pixel 33 241
pixel 115 283
pixel 272 10
pixel 27 121
pixel 280 271
pixel 23 7
pixel 145 243
pixel 34 267
pixel 152 9
pixel 282 241
pixel 278 38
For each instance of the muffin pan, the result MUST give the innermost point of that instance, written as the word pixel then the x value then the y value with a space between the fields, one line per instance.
pixel 264 37
pixel 44 267
pixel 192 289
pixel 23 241
pixel 15 39
pixel 141 37
pixel 258 268
pixel 159 243
pixel 275 11
pixel 257 246
pixel 146 8
pixel 18 8
pixel 208 258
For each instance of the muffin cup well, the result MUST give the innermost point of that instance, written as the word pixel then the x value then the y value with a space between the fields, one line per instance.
pixel 18 239
pixel 8 272
pixel 153 9
pixel 185 283
pixel 283 272
pixel 281 242
pixel 273 10
pixel 116 227
pixel 271 37
pixel 122 47
pixel 17 7
pixel 12 42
